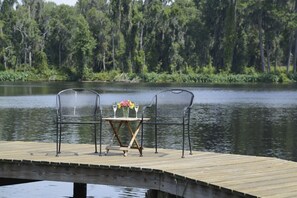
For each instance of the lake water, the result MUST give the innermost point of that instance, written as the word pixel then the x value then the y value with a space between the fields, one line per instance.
pixel 241 119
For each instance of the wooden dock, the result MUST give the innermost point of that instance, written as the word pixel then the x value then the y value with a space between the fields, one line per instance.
pixel 203 174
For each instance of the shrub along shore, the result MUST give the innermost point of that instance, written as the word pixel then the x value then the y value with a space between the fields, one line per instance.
pixel 152 77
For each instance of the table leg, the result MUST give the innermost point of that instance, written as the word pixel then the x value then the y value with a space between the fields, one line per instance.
pixel 115 131
pixel 133 139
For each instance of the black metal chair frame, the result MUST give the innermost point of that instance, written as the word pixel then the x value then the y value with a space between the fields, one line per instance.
pixel 74 118
pixel 185 117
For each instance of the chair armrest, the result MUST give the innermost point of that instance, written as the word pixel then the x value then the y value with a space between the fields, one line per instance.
pixel 187 110
pixel 148 106
pixel 100 111
pixel 144 108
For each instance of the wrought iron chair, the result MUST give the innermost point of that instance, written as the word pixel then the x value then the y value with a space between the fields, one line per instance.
pixel 170 107
pixel 77 106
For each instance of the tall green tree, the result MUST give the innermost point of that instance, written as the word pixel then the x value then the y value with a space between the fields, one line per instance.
pixel 230 36
pixel 7 21
pixel 295 51
pixel 97 15
pixel 214 14
pixel 83 45
pixel 117 40
pixel 27 35
pixel 100 26
pixel 58 45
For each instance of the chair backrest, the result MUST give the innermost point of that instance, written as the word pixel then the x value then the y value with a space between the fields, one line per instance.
pixel 173 102
pixel 78 102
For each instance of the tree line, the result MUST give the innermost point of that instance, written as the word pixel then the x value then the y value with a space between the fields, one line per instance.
pixel 139 36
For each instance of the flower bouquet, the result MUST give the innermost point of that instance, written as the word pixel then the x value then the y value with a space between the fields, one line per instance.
pixel 125 105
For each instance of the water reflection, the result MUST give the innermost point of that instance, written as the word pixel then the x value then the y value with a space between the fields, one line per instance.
pixel 64 189
pixel 248 129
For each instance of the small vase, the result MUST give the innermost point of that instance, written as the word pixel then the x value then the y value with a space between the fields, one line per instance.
pixel 125 112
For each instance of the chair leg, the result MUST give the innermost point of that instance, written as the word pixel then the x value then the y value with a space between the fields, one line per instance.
pixel 156 138
pixel 60 137
pixel 57 139
pixel 100 139
pixel 141 138
pixel 183 150
pixel 95 137
pixel 189 137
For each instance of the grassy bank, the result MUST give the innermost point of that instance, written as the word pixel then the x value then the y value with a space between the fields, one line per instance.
pixel 52 75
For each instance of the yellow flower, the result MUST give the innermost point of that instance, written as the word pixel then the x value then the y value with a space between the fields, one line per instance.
pixel 126 103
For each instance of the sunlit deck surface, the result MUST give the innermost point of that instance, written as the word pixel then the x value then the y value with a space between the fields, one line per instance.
pixel 234 175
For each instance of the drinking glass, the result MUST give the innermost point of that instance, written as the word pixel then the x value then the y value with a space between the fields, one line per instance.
pixel 136 109
pixel 114 106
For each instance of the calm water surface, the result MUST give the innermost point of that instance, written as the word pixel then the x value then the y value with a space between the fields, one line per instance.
pixel 250 120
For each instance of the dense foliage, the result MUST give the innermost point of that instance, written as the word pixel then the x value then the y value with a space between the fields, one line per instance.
pixel 146 37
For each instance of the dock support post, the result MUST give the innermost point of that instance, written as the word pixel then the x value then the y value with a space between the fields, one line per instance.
pixel 79 190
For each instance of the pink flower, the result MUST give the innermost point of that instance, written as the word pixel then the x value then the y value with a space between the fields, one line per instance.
pixel 126 103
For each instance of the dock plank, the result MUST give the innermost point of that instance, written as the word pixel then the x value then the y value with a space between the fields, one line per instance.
pixel 249 175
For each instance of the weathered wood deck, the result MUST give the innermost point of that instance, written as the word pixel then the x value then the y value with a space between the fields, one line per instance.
pixel 203 174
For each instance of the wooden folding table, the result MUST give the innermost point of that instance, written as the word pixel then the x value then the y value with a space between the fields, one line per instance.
pixel 116 124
